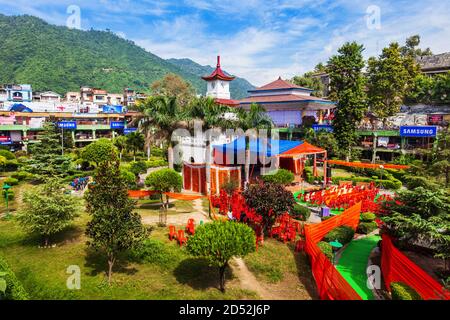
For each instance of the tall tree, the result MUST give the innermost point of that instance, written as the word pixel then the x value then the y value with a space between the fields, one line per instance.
pixel 174 86
pixel 441 157
pixel 47 209
pixel 347 89
pixel 114 226
pixel 251 121
pixel 135 142
pixel 46 159
pixel 411 48
pixel 389 78
pixel 309 81
pixel 166 115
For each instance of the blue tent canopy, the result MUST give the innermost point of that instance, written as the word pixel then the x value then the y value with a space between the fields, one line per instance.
pixel 271 147
pixel 18 107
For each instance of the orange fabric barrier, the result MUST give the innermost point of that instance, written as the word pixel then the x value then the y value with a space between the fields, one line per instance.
pixel 330 283
pixel 367 165
pixel 180 196
pixel 140 193
pixel 396 267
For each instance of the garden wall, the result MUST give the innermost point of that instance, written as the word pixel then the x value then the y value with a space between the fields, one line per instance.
pixel 396 267
pixel 330 284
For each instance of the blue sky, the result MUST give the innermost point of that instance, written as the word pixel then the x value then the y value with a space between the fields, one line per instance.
pixel 257 39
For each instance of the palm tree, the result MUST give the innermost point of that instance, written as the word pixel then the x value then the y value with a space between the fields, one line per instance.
pixel 254 118
pixel 163 114
pixel 121 144
pixel 135 142
pixel 212 116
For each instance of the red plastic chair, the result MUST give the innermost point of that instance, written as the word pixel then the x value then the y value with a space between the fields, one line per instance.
pixel 300 246
pixel 190 228
pixel 172 232
pixel 181 238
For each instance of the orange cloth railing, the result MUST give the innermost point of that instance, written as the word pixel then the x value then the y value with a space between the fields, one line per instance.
pixel 330 283
pixel 396 267
pixel 367 165
pixel 178 196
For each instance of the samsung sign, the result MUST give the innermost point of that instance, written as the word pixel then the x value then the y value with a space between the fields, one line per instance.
pixel 129 130
pixel 67 124
pixel 117 124
pixel 419 132
pixel 322 127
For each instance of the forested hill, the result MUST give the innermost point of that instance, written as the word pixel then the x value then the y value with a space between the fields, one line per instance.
pixel 60 59
pixel 239 87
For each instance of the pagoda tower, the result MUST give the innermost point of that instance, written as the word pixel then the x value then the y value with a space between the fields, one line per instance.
pixel 218 83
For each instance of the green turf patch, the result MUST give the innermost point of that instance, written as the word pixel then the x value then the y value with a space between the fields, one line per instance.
pixel 353 265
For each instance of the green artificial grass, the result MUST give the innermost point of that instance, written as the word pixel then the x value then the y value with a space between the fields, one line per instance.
pixel 353 265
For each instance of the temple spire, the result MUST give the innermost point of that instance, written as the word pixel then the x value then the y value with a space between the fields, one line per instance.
pixel 218 61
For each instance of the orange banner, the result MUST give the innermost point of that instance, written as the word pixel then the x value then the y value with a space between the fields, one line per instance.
pixel 367 165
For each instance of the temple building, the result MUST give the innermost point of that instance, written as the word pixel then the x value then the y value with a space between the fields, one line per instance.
pixel 288 104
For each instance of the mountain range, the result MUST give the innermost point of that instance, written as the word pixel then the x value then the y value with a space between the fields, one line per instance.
pixel 60 59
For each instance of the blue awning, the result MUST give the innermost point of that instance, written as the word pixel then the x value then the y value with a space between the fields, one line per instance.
pixel 261 147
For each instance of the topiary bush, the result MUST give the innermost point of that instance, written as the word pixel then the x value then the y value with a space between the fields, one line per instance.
pixel 11 181
pixel 300 212
pixel 367 227
pixel 14 289
pixel 327 249
pixel 138 167
pixel 343 234
pixel 368 217
pixel 7 154
pixel 156 162
pixel 401 291
pixel 11 165
pixel 21 175
pixel 129 177
pixel 151 251
pixel 281 176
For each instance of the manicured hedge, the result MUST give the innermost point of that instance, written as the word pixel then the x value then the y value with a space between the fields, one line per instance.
pixel 11 181
pixel 21 175
pixel 326 248
pixel 7 154
pixel 301 212
pixel 367 227
pixel 282 176
pixel 401 291
pixel 343 234
pixel 368 217
pixel 393 184
pixel 14 289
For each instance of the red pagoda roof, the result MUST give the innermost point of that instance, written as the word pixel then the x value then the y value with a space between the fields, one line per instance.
pixel 279 85
pixel 218 74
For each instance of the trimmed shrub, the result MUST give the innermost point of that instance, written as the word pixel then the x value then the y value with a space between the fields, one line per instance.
pixel 11 165
pixel 327 249
pixel 11 181
pixel 151 251
pixel 138 167
pixel 413 182
pixel 368 217
pixel 156 162
pixel 301 212
pixel 367 227
pixel 401 291
pixel 7 154
pixel 281 176
pixel 343 234
pixel 20 153
pixel 129 177
pixel 14 289
pixel 21 175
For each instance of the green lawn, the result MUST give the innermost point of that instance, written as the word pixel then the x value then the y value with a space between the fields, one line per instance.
pixel 43 271
pixel 277 264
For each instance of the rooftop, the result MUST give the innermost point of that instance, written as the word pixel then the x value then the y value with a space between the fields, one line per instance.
pixel 282 98
pixel 279 84
pixel 438 61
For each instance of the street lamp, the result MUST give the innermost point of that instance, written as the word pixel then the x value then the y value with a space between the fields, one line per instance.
pixel 6 188
pixel 335 245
